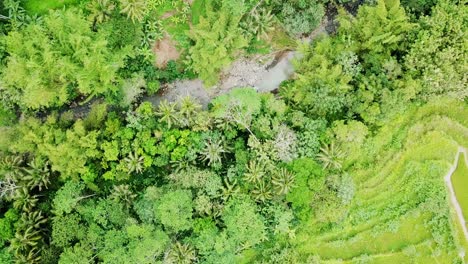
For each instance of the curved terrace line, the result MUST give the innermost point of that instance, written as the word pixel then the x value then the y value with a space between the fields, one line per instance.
pixel 453 198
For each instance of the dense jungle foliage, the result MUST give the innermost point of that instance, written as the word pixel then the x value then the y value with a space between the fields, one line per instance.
pixel 344 163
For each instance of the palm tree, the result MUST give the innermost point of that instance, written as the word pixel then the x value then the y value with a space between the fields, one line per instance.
pixel 255 172
pixel 34 219
pixel 167 113
pixel 134 9
pixel 229 189
pixel 181 254
pixel 25 241
pixel 122 193
pixel 37 175
pixel 147 53
pixel 262 192
pixel 212 152
pixel 10 167
pixel 217 209
pixel 264 22
pixel 203 122
pixel 26 246
pixel 101 10
pixel 222 124
pixel 181 164
pixel 24 200
pixel 15 10
pixel 331 157
pixel 134 162
pixel 153 31
pixel 189 108
pixel 259 23
pixel 26 19
pixel 283 181
pixel 31 256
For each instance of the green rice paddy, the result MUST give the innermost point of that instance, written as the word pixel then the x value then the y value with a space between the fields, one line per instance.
pixel 460 184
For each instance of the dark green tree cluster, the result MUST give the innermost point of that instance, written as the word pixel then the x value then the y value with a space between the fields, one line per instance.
pixel 172 184
pixel 371 68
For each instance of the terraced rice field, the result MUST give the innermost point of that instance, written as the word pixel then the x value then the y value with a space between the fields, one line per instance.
pixel 401 212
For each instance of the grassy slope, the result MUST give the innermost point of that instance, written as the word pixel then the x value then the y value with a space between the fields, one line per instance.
pixel 43 6
pixel 390 219
pixel 460 184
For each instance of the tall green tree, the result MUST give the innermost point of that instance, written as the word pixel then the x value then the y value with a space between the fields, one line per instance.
pixel 67 151
pixel 101 10
pixel 175 210
pixel 244 226
pixel 51 63
pixel 218 38
pixel 438 55
pixel 134 9
pixel 357 72
pixel 68 197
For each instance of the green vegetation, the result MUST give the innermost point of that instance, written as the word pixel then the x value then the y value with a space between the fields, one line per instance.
pixel 67 60
pixel 343 164
pixel 400 199
pixel 217 39
pixel 298 17
pixel 460 181
pixel 43 6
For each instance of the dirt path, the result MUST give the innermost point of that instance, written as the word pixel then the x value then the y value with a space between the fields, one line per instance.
pixel 453 198
pixel 165 51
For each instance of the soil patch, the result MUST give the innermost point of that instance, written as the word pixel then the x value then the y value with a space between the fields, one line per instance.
pixel 165 51
pixel 168 14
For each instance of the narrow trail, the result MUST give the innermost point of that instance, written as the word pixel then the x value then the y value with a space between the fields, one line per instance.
pixel 453 198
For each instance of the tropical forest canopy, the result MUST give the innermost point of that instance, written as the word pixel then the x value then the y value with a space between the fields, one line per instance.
pixel 343 163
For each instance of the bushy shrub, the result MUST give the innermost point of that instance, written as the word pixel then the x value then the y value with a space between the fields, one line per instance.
pixel 299 17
